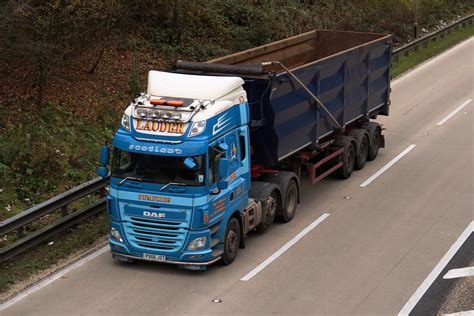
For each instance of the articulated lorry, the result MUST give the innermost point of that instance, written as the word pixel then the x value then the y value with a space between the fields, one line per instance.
pixel 215 150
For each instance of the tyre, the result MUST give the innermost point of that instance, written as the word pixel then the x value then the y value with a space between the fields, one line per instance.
pixel 348 156
pixel 362 147
pixel 270 206
pixel 375 139
pixel 231 241
pixel 291 201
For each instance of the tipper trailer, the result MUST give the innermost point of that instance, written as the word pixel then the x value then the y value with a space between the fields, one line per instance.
pixel 215 150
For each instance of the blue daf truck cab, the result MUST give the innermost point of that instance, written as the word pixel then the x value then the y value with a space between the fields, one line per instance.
pixel 218 149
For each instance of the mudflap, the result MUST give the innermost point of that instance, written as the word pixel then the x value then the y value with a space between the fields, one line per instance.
pixel 382 141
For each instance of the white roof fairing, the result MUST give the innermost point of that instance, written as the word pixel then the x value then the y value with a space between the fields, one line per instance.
pixel 165 84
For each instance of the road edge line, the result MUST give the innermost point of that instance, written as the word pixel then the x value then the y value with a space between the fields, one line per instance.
pixel 53 277
pixel 420 291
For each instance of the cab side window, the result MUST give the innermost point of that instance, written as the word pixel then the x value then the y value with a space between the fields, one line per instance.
pixel 214 154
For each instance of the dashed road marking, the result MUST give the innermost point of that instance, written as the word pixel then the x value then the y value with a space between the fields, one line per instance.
pixel 285 247
pixel 387 166
pixel 450 115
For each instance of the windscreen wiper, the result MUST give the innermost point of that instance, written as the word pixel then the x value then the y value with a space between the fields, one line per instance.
pixel 172 183
pixel 129 178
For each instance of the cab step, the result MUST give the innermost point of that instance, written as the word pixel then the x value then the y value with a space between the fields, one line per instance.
pixel 214 242
pixel 217 253
pixel 214 229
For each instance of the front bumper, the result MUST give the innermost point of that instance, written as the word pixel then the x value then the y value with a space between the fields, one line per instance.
pixel 181 263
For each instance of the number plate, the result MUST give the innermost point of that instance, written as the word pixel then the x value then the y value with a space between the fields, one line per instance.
pixel 153 257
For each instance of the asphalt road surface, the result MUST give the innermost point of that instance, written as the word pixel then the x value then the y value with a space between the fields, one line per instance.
pixel 367 257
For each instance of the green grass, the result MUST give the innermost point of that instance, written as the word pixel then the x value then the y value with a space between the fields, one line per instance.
pixel 434 48
pixel 51 151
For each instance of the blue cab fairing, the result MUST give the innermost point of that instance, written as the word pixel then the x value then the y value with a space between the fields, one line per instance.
pixel 164 222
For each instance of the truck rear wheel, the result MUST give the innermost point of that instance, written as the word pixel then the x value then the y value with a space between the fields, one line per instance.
pixel 231 241
pixel 291 200
pixel 362 147
pixel 348 156
pixel 375 139
pixel 270 206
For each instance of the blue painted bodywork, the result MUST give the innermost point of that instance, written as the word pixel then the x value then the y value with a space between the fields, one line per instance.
pixel 183 209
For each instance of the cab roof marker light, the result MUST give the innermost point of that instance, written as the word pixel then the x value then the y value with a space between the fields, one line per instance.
pixel 157 102
pixel 174 103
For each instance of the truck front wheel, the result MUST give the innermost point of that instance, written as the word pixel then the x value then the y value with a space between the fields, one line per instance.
pixel 231 241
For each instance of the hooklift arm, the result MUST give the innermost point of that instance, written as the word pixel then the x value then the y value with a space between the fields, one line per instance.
pixel 292 75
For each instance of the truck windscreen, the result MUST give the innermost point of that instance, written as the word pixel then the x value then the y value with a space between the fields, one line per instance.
pixel 158 169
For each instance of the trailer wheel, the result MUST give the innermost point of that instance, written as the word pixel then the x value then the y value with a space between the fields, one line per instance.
pixel 362 147
pixel 291 202
pixel 375 139
pixel 231 241
pixel 270 206
pixel 348 156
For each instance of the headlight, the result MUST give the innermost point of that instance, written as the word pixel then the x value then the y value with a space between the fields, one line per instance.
pixel 197 128
pixel 115 233
pixel 197 243
pixel 126 122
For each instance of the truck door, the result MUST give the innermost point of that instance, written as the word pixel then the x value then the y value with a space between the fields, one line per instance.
pixel 224 200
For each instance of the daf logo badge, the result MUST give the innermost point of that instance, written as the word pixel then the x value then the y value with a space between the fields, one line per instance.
pixel 154 214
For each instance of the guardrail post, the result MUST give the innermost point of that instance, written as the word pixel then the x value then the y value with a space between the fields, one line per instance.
pixel 20 232
pixel 64 211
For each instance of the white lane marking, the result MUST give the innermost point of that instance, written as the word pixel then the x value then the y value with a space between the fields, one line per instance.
pixel 465 313
pixel 436 271
pixel 450 115
pixel 388 165
pixel 284 248
pixel 459 273
pixel 52 278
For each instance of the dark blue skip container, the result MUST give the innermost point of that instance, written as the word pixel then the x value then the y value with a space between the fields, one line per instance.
pixel 349 72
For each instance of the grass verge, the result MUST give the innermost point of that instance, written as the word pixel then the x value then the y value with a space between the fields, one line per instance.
pixel 434 48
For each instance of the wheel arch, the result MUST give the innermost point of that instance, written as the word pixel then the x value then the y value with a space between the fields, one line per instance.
pixel 282 180
pixel 238 215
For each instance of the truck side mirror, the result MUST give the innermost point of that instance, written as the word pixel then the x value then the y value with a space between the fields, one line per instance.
pixel 222 167
pixel 102 171
pixel 104 155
